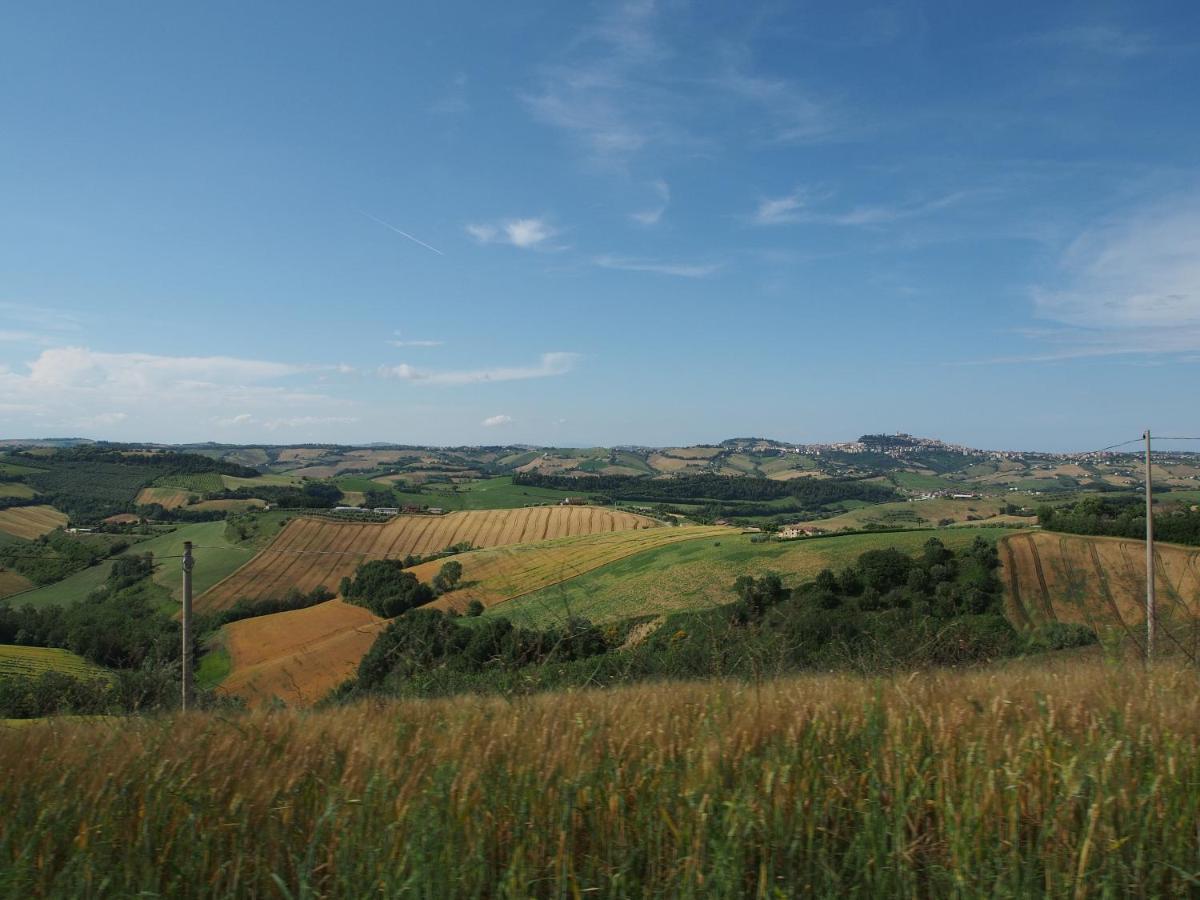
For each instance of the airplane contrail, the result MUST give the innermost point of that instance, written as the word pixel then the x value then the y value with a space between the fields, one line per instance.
pixel 403 234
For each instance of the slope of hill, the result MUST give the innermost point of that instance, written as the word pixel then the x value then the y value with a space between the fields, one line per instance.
pixel 1099 582
pixel 313 551
pixel 33 661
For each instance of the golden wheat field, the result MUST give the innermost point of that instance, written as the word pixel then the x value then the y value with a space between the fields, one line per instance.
pixel 1066 780
pixel 502 573
pixel 29 522
pixel 33 661
pixel 1096 581
pixel 299 655
pixel 313 551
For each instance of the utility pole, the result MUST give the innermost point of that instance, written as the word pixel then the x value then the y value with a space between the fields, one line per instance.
pixel 188 562
pixel 1150 604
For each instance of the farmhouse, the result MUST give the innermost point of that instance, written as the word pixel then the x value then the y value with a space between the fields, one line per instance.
pixel 410 509
pixel 386 511
pixel 435 510
pixel 572 501
pixel 787 532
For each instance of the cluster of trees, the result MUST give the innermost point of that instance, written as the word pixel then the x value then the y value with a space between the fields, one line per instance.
pixel 55 693
pixel 417 644
pixel 1122 517
pixel 384 587
pixel 120 625
pixel 313 495
pixel 809 492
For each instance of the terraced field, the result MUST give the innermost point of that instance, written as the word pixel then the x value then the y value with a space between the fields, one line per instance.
pixel 29 522
pixel 503 573
pixel 33 661
pixel 312 551
pixel 1098 581
pixel 699 573
pixel 297 656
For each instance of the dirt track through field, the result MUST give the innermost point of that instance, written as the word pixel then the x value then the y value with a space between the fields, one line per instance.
pixel 313 551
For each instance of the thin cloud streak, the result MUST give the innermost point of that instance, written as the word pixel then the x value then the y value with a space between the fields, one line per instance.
pixel 683 270
pixel 551 364
pixel 404 234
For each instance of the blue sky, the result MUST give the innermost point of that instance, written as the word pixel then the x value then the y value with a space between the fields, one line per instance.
pixel 581 224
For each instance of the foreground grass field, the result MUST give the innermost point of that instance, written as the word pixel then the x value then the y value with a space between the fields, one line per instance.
pixel 1061 780
pixel 313 551
pixel 695 574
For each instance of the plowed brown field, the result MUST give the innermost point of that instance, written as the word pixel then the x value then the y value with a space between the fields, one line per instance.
pixel 297 656
pixel 312 551
pixel 1096 581
pixel 494 576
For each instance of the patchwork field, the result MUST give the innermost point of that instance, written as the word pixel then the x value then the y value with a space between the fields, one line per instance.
pixel 33 661
pixel 1098 581
pixel 312 551
pixel 297 656
pixel 29 522
pixel 699 573
pixel 216 557
pixel 500 574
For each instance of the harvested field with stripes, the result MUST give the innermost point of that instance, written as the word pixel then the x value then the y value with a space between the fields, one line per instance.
pixel 29 522
pixel 503 573
pixel 298 656
pixel 311 551
pixel 1097 581
pixel 166 497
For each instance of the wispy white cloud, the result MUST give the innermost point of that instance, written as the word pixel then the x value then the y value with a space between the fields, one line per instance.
pixel 651 216
pixel 793 115
pixel 1101 39
pixel 800 206
pixel 551 364
pixel 1127 287
pixel 494 421
pixel 524 233
pixel 683 270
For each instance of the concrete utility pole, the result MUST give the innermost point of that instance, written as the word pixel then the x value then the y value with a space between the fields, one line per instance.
pixel 1150 604
pixel 188 562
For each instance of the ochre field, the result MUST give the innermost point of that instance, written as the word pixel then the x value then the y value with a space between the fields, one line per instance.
pixel 502 573
pixel 1073 779
pixel 1097 581
pixel 330 550
pixel 166 497
pixel 298 656
pixel 13 583
pixel 29 522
